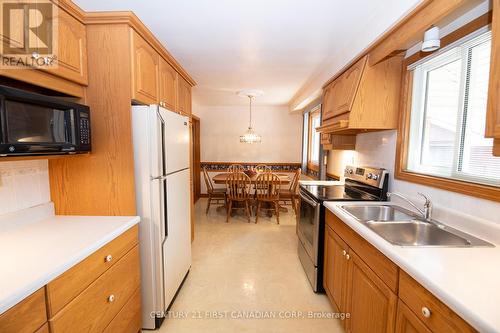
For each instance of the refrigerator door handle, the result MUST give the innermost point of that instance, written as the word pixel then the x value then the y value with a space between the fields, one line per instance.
pixel 162 177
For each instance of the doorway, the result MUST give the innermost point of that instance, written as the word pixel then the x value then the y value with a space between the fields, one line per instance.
pixel 195 134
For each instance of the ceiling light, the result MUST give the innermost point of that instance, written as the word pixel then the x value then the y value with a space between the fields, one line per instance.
pixel 431 40
pixel 250 136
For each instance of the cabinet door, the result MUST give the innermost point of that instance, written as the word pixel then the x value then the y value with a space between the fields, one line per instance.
pixel 407 322
pixel 370 302
pixel 328 105
pixel 335 268
pixel 145 71
pixel 342 91
pixel 184 97
pixel 26 316
pixel 168 85
pixel 72 49
pixel 493 112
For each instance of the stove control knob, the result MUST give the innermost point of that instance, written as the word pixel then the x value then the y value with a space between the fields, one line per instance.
pixel 369 176
pixel 350 171
pixel 375 177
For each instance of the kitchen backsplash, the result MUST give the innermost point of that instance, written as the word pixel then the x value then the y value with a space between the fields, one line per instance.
pixel 23 184
pixel 378 149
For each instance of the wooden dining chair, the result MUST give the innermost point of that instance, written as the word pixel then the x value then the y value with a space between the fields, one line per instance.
pixel 263 168
pixel 290 196
pixel 214 194
pixel 238 191
pixel 267 186
pixel 235 168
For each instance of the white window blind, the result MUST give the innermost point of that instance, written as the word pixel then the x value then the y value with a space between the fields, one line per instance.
pixel 448 116
pixel 315 137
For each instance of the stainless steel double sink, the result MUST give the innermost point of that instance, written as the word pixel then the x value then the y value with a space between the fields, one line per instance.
pixel 402 227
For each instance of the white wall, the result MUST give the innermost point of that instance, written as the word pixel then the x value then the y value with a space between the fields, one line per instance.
pixel 222 126
pixel 23 184
pixel 378 149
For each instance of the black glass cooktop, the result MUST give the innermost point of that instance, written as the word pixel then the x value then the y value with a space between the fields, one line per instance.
pixel 336 193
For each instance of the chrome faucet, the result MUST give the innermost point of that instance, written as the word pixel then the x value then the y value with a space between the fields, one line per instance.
pixel 426 212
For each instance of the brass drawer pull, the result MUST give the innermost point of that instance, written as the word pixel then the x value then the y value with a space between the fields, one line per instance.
pixel 111 298
pixel 108 258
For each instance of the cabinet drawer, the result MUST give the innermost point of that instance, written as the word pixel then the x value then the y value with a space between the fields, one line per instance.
pixel 407 322
pixel 96 306
pixel 43 329
pixel 27 316
pixel 128 320
pixel 67 286
pixel 380 264
pixel 440 318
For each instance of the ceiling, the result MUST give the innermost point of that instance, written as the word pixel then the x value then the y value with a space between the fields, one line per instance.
pixel 279 46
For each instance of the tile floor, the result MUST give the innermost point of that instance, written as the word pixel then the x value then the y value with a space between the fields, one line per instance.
pixel 246 269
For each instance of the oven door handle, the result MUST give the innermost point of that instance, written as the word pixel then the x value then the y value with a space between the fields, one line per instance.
pixel 309 201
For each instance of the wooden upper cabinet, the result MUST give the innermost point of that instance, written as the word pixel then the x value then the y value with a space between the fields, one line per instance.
pixel 167 77
pixel 72 49
pixel 335 268
pixel 363 98
pixel 339 95
pixel 493 111
pixel 145 61
pixel 371 303
pixel 184 97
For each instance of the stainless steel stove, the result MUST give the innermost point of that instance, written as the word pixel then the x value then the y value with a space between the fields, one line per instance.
pixel 361 184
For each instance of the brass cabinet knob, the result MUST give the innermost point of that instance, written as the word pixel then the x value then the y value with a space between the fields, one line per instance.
pixel 426 312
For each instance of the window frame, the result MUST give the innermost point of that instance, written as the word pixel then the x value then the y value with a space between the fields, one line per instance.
pixel 316 112
pixel 401 172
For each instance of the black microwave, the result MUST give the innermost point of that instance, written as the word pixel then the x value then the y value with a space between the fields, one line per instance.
pixel 34 124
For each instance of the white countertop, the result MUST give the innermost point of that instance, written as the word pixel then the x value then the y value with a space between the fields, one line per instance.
pixel 40 246
pixel 465 279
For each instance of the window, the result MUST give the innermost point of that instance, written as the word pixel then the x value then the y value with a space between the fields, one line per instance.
pixel 313 140
pixel 448 113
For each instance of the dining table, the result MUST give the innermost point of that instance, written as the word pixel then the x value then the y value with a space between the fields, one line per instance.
pixel 221 178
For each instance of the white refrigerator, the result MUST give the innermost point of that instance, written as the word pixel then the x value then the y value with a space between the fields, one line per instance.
pixel 161 161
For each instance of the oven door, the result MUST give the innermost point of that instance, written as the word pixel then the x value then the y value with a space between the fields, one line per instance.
pixel 308 225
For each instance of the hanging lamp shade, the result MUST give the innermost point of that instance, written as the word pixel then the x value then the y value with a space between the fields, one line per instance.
pixel 250 136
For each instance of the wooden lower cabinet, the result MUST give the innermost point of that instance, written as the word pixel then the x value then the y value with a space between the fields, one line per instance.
pixel 109 302
pixel 96 306
pixel 335 272
pixel 433 313
pixel 128 320
pixel 375 293
pixel 27 316
pixel 67 286
pixel 370 302
pixel 407 321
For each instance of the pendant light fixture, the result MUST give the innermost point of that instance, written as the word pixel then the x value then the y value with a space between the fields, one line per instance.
pixel 250 136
